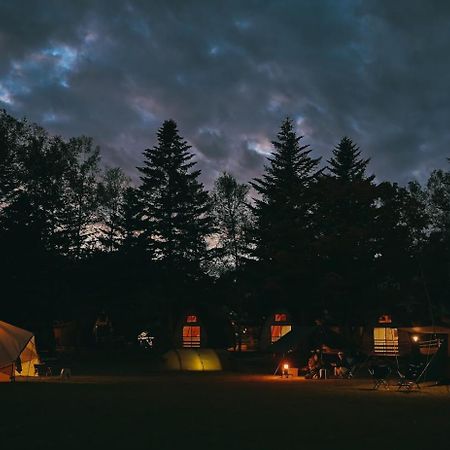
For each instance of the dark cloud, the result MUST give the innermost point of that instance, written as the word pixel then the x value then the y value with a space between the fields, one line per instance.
pixel 230 71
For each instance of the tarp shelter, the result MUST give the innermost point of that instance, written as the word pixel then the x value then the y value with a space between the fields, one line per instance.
pixel 18 353
pixel 186 359
pixel 305 339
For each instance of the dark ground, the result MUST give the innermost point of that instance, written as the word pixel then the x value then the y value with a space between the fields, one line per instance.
pixel 219 411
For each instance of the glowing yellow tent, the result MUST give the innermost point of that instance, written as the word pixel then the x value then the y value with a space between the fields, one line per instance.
pixel 18 353
pixel 202 359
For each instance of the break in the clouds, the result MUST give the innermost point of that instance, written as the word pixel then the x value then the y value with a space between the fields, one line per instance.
pixel 229 71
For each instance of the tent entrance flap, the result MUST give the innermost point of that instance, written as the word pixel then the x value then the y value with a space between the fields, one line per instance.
pixel 18 354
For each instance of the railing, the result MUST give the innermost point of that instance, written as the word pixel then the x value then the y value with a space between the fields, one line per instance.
pixel 385 347
pixel 191 343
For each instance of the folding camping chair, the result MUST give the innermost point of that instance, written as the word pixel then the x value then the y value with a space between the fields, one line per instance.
pixel 379 375
pixel 409 379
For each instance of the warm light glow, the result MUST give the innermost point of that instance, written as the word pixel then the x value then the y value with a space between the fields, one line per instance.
pixel 278 331
pixel 385 318
pixel 385 341
pixel 280 317
pixel 286 366
pixel 415 338
pixel 191 319
pixel 191 336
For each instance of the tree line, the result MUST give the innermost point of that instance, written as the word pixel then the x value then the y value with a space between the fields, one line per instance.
pixel 325 240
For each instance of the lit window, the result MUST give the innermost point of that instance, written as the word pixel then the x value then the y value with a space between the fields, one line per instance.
pixel 278 331
pixel 385 341
pixel 385 318
pixel 280 318
pixel 191 336
pixel 191 319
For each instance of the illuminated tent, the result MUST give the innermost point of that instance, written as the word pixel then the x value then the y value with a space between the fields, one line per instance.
pixel 186 359
pixel 18 353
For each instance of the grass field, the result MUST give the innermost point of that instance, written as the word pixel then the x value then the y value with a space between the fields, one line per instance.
pixel 219 411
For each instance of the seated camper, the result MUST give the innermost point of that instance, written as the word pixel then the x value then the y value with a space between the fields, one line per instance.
pixel 341 366
pixel 314 366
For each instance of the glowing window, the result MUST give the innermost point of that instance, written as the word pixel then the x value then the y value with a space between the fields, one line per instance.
pixel 191 319
pixel 191 336
pixel 385 341
pixel 278 331
pixel 280 318
pixel 386 318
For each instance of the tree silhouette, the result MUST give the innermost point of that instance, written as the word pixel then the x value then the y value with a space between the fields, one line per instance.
pixel 346 164
pixel 112 191
pixel 175 207
pixel 284 211
pixel 82 196
pixel 232 220
pixel 347 244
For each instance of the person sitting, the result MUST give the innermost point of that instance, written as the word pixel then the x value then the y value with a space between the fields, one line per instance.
pixel 314 366
pixel 342 368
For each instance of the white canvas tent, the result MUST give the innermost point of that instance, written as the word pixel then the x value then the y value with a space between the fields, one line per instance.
pixel 18 353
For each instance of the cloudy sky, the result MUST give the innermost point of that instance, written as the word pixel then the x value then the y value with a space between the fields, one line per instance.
pixel 229 71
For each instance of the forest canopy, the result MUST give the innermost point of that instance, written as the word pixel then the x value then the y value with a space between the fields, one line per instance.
pixel 322 238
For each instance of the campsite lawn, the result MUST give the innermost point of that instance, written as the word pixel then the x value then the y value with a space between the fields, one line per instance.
pixel 219 411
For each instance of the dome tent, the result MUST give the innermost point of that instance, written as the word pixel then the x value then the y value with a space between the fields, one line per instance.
pixel 18 353
pixel 186 359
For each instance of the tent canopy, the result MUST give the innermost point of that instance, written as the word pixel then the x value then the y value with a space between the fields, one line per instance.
pixel 187 359
pixel 18 353
pixel 308 338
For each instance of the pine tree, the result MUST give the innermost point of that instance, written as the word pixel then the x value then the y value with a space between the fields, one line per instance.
pixel 284 215
pixel 347 244
pixel 285 205
pixel 347 164
pixel 175 207
pixel 348 193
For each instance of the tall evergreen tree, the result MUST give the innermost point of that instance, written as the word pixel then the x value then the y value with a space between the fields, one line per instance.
pixel 284 212
pixel 346 164
pixel 175 207
pixel 347 244
pixel 284 207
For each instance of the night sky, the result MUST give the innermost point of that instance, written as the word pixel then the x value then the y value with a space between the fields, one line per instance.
pixel 229 72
